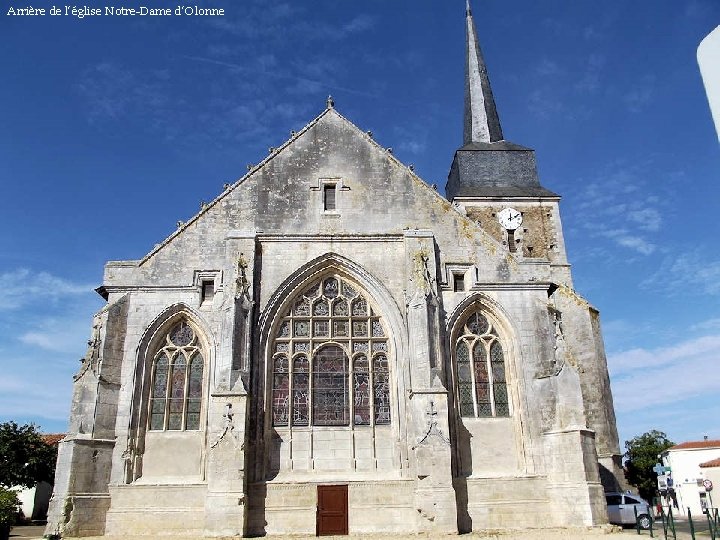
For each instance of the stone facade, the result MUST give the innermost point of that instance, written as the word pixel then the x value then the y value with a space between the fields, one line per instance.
pixel 330 319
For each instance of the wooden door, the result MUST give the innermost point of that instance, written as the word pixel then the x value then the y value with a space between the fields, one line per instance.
pixel 332 510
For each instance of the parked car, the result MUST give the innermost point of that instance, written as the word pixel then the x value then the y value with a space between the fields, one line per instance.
pixel 621 509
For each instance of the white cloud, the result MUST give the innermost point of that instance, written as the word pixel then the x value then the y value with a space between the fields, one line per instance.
pixel 545 103
pixel 359 23
pixel 639 358
pixel 648 219
pixel 710 324
pixel 643 378
pixel 615 206
pixel 62 334
pixel 36 387
pixel 689 272
pixel 637 98
pixel 625 239
pixel 22 287
pixel 547 67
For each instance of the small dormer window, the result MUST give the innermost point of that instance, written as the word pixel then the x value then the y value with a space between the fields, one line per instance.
pixel 207 291
pixel 458 282
pixel 329 192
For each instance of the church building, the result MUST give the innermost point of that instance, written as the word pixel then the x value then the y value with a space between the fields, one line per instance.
pixel 332 347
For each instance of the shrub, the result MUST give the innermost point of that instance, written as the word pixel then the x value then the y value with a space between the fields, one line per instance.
pixel 8 507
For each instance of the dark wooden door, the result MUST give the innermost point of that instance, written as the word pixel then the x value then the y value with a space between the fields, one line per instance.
pixel 332 510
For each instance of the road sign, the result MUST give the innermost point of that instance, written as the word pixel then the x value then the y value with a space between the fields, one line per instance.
pixel 708 484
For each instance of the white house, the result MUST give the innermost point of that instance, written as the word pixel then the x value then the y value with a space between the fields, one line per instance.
pixel 685 462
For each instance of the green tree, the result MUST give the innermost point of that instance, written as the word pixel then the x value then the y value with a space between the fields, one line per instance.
pixel 641 455
pixel 25 459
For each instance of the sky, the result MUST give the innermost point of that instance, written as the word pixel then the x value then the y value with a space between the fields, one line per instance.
pixel 113 128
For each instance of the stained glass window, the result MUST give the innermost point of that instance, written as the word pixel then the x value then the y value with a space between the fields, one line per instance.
pixel 332 379
pixel 330 387
pixel 361 390
pixel 177 381
pixel 481 384
pixel 381 389
pixel 301 388
pixel 281 390
pixel 157 403
pixel 194 401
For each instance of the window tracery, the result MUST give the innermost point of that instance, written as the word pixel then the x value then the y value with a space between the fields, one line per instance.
pixel 177 381
pixel 329 364
pixel 480 363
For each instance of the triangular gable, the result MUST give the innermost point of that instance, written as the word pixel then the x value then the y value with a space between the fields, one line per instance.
pixel 467 227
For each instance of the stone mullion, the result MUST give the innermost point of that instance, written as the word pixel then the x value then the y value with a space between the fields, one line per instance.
pixel 168 387
pixel 491 377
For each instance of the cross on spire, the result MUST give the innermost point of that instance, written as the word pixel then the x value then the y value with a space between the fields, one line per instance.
pixel 482 123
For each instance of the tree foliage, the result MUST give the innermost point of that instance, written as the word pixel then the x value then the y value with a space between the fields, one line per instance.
pixel 641 455
pixel 25 459
pixel 8 507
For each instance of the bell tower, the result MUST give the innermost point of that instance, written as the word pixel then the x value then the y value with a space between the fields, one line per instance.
pixel 495 181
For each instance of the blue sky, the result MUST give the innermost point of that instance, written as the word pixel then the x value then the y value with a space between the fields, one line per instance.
pixel 112 129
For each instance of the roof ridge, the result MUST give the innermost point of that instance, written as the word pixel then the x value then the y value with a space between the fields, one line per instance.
pixel 294 136
pixel 705 443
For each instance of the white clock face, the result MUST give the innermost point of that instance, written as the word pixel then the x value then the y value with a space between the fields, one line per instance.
pixel 510 218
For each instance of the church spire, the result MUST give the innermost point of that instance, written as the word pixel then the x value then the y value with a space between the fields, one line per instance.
pixel 481 118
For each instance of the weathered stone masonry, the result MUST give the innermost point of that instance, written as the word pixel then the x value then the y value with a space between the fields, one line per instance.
pixel 331 320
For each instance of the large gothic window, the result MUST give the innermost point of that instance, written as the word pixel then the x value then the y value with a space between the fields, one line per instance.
pixel 177 381
pixel 330 360
pixel 482 387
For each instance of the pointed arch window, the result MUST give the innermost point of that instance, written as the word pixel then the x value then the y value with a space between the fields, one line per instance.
pixel 480 368
pixel 177 381
pixel 330 360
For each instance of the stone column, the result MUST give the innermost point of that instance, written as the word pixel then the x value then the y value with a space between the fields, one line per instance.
pixel 428 398
pixel 225 506
pixel 80 497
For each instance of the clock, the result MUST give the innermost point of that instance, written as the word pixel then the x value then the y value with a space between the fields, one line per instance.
pixel 510 218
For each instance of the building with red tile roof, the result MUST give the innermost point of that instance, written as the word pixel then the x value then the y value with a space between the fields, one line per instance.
pixel 692 463
pixel 52 438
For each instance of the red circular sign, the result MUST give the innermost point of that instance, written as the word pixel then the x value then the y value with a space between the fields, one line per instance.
pixel 708 484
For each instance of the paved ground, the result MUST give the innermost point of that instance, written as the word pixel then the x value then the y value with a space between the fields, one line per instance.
pixel 34 532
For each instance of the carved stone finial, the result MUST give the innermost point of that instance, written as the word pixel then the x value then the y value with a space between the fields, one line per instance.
pixel 92 356
pixel 250 166
pixel 229 428
pixel 370 134
pixel 226 186
pixel 242 285
pixel 330 102
pixel 271 149
pixel 432 428
pixel 422 277
pixel 180 223
pixel 389 149
pixel 411 167
pixel 203 205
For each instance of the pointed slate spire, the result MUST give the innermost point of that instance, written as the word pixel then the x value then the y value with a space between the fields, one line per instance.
pixel 481 118
pixel 487 165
